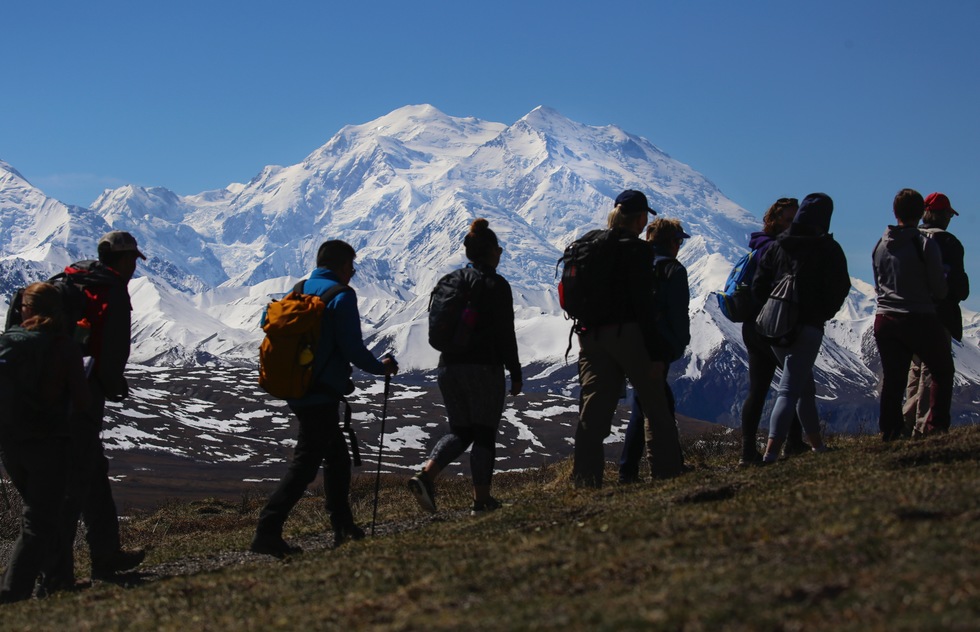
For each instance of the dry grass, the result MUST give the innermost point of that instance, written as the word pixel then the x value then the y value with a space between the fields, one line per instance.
pixel 868 537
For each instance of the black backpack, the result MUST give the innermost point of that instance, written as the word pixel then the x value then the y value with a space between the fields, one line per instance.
pixel 588 287
pixel 73 301
pixel 24 356
pixel 455 308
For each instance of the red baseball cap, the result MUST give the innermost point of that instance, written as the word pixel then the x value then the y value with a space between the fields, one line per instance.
pixel 939 202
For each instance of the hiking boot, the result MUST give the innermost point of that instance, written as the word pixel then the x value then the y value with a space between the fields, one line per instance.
pixel 794 448
pixel 273 545
pixel 483 506
pixel 770 457
pixel 424 492
pixel 48 586
pixel 345 532
pixel 750 458
pixel 117 562
pixel 628 477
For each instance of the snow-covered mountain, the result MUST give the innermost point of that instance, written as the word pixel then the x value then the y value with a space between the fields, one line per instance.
pixel 403 190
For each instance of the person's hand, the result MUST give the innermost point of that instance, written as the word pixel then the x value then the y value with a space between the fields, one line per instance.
pixel 120 393
pixel 516 386
pixel 391 367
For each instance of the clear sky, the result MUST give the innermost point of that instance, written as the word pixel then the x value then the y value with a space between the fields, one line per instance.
pixel 855 98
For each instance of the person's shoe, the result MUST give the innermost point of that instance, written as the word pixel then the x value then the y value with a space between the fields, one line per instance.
pixel 794 448
pixel 483 506
pixel 823 449
pixel 117 562
pixel 891 435
pixel 750 459
pixel 628 478
pixel 273 545
pixel 48 586
pixel 770 457
pixel 345 532
pixel 424 492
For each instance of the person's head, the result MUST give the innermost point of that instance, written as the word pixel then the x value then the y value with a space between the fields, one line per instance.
pixel 481 244
pixel 41 308
pixel 337 256
pixel 779 216
pixel 908 207
pixel 631 212
pixel 814 213
pixel 118 250
pixel 667 234
pixel 938 211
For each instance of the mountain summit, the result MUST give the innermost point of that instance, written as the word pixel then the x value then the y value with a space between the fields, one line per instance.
pixel 403 189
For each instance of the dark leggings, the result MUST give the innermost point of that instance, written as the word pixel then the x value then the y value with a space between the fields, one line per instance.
pixel 484 443
pixel 474 398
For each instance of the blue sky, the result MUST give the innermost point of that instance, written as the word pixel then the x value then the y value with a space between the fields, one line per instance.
pixel 767 99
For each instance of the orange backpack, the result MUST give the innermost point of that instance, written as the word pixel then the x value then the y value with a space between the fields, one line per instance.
pixel 292 332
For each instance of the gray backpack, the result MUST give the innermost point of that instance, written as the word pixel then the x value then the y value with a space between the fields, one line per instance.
pixel 780 315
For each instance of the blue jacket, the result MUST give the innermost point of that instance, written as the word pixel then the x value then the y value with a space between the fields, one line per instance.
pixel 340 344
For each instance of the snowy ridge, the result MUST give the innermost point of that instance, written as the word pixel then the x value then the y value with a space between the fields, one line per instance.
pixel 403 189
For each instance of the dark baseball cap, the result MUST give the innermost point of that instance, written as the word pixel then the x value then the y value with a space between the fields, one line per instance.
pixel 633 201
pixel 120 241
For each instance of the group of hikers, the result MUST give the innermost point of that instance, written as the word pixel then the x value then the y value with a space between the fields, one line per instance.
pixel 628 298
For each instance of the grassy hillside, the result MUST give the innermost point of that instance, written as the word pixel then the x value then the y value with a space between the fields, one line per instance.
pixel 870 536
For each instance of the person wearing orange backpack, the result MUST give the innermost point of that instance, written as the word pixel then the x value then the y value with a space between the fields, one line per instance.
pixel 321 439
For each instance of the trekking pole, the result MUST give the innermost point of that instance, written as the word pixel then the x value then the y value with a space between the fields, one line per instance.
pixel 381 441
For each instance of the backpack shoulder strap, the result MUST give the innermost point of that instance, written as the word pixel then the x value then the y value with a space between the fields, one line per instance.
pixel 328 296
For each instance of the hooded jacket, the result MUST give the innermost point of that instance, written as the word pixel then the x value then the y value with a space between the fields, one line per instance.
pixel 908 270
pixel 341 343
pixel 807 246
pixel 671 301
pixel 956 279
pixel 759 242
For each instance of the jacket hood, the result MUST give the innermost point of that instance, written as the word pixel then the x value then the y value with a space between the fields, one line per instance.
pixel 899 235
pixel 815 211
pixel 759 239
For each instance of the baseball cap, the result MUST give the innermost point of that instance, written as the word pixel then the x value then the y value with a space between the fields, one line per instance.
pixel 120 241
pixel 939 202
pixel 633 201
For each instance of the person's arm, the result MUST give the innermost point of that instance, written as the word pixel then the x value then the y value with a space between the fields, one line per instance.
pixel 956 277
pixel 935 275
pixel 678 300
pixel 762 281
pixel 505 334
pixel 348 337
pixel 839 282
pixel 113 352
